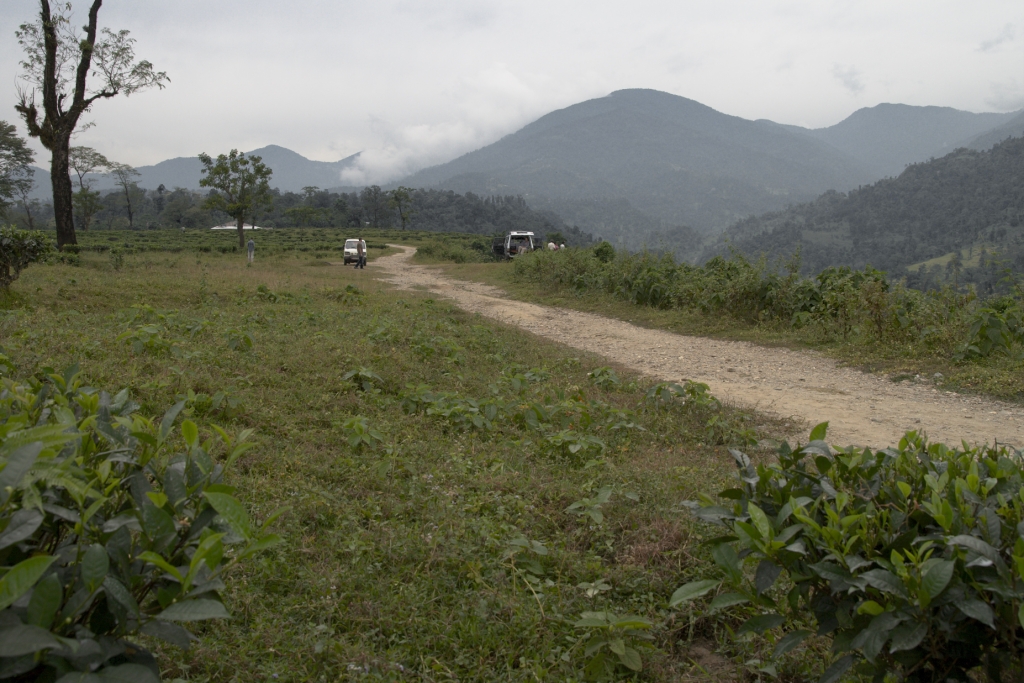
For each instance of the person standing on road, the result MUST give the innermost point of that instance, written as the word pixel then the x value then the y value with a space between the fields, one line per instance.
pixel 250 246
pixel 360 253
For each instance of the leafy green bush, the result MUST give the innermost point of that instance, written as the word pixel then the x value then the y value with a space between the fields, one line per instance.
pixel 994 330
pixel 912 558
pixel 109 527
pixel 19 249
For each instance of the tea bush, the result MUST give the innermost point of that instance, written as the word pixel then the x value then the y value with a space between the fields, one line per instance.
pixel 837 304
pixel 109 527
pixel 19 249
pixel 912 558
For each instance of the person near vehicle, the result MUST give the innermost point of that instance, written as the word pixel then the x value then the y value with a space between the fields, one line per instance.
pixel 552 246
pixel 563 246
pixel 360 253
pixel 250 246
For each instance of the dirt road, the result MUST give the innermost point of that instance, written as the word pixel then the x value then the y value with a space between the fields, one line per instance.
pixel 802 386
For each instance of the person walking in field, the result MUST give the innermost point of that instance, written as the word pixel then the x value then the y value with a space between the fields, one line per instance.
pixel 360 253
pixel 250 247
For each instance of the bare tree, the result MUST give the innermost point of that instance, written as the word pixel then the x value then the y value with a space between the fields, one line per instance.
pixel 125 175
pixel 59 61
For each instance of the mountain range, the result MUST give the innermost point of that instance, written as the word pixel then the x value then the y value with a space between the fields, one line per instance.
pixel 675 161
pixel 636 163
pixel 292 172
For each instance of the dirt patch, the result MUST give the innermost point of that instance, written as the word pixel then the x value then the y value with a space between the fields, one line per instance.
pixel 801 386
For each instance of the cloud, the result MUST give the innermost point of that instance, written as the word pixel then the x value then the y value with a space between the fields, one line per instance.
pixel 849 77
pixel 488 104
pixel 1005 36
pixel 1006 96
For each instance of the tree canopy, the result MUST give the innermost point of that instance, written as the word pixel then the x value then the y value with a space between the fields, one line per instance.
pixel 15 173
pixel 242 186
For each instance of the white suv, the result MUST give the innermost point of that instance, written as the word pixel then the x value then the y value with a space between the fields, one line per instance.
pixel 351 251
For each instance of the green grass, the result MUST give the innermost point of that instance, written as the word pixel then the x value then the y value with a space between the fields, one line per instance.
pixel 400 561
pixel 998 376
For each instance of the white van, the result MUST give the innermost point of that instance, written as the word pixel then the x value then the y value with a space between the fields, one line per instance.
pixel 351 251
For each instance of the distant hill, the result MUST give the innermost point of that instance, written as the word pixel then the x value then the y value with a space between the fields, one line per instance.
pixel 673 159
pixel 292 172
pixel 888 137
pixel 638 162
pixel 967 200
pixel 1012 128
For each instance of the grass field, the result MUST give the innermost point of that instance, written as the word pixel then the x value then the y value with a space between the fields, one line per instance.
pixel 460 492
pixel 999 376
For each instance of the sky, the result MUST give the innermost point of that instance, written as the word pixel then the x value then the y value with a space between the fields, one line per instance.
pixel 412 83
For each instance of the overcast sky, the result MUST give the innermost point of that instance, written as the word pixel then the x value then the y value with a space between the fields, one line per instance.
pixel 413 83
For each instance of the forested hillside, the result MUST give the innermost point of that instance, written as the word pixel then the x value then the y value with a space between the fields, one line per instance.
pixel 964 211
pixel 672 160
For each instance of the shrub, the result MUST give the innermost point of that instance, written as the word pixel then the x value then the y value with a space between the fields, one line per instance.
pixel 912 558
pixel 19 249
pixel 604 252
pixel 108 527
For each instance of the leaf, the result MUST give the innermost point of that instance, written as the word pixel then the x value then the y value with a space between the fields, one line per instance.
pixel 194 610
pixel 761 623
pixel 95 566
pixel 18 463
pixel 725 557
pixel 232 511
pixel 835 672
pixel 870 607
pixel 160 562
pixel 170 633
pixel 907 636
pixel 617 645
pixel 116 591
pixel 691 591
pixel 977 610
pixel 24 639
pixel 935 576
pixel 767 573
pixel 727 600
pixel 790 641
pixel 22 577
pixel 45 601
pixel 127 673
pixel 169 417
pixel 631 659
pixel 885 581
pixel 22 525
pixel 190 433
pixel 760 520
pixel 818 433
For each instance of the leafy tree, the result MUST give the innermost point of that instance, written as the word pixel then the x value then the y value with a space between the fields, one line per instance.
pixel 86 201
pixel 18 249
pixel 375 204
pixel 400 199
pixel 242 184
pixel 59 62
pixel 23 187
pixel 15 173
pixel 125 176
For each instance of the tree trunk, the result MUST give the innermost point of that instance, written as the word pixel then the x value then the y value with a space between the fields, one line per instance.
pixel 241 231
pixel 60 176
pixel 128 204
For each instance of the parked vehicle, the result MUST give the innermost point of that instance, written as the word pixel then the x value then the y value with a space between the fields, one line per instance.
pixel 513 244
pixel 351 251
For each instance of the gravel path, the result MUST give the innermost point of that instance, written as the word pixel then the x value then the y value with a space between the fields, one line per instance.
pixel 802 386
